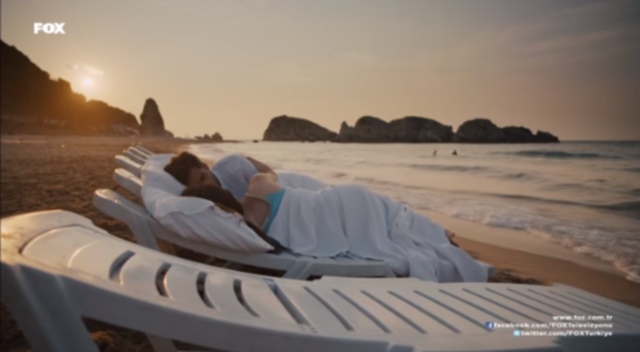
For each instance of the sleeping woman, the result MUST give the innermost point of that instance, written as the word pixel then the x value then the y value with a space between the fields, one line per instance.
pixel 348 219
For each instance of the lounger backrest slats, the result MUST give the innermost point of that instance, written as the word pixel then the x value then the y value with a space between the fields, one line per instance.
pixel 143 149
pixel 134 156
pixel 618 310
pixel 138 152
pixel 128 164
pixel 313 310
pixel 128 181
pixel 508 302
pixel 221 294
pixel 502 312
pixel 139 273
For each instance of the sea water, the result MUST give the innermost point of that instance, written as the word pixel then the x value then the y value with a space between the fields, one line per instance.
pixel 582 195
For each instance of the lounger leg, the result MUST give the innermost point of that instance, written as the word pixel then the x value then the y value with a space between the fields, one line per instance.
pixel 234 266
pixel 41 308
pixel 299 270
pixel 161 344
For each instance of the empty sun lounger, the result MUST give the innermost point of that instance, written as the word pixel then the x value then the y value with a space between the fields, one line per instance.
pixel 140 151
pixel 57 267
pixel 132 159
pixel 135 156
pixel 128 181
pixel 143 149
pixel 126 163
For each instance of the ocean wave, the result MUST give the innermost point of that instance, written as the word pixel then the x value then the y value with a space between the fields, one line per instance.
pixel 338 174
pixel 604 243
pixel 627 208
pixel 630 207
pixel 598 243
pixel 457 168
pixel 556 154
pixel 535 199
pixel 567 186
pixel 518 176
pixel 395 185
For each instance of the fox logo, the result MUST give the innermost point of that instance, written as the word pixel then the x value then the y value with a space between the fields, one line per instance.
pixel 48 28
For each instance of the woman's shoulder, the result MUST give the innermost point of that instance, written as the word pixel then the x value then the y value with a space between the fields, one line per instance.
pixel 260 178
pixel 231 159
pixel 262 184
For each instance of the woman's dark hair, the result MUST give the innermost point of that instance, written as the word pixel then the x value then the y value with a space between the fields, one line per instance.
pixel 225 200
pixel 180 166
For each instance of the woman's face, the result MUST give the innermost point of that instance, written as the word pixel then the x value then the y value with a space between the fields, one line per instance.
pixel 201 176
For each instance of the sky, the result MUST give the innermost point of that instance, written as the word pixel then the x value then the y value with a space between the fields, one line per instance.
pixel 229 66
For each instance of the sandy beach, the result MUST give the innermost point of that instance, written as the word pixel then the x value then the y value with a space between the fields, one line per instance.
pixel 40 173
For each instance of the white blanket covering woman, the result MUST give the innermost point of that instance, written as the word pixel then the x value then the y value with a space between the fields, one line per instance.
pixel 352 219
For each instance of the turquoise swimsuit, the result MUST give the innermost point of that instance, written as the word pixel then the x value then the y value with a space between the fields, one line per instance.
pixel 274 200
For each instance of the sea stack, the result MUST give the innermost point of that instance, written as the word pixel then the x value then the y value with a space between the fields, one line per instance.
pixel 151 122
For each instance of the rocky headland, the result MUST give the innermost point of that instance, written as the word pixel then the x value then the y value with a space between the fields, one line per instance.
pixel 34 103
pixel 286 128
pixel 409 129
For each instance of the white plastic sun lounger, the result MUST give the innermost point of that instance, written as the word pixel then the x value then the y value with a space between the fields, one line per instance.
pixel 134 156
pixel 57 267
pixel 132 159
pixel 126 163
pixel 141 151
pixel 147 231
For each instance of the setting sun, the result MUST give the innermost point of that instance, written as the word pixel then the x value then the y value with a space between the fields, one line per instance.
pixel 87 82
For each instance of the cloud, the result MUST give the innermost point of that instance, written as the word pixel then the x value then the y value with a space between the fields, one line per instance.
pixel 86 69
pixel 353 61
pixel 559 38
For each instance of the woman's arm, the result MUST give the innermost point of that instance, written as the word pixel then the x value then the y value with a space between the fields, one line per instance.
pixel 262 167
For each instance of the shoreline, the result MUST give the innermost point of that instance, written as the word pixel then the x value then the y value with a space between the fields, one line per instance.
pixel 530 258
pixel 521 241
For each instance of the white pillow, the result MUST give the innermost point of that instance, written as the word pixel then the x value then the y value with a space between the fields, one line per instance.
pixel 153 174
pixel 194 218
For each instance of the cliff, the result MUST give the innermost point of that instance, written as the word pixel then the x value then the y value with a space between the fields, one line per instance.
pixel 410 129
pixel 32 102
pixel 482 130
